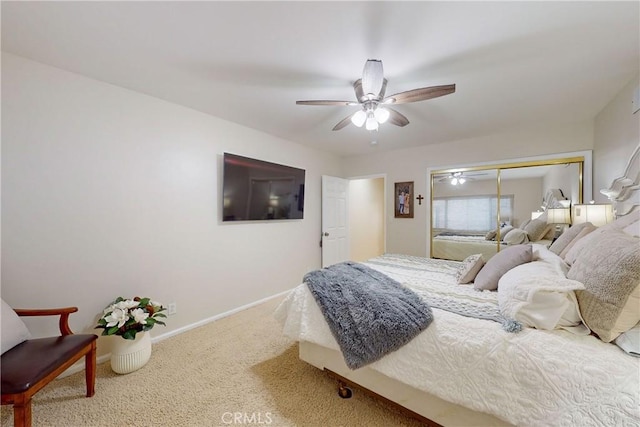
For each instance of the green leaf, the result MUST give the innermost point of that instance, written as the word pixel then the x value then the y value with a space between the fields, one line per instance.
pixel 112 330
pixel 144 302
pixel 161 323
pixel 129 334
pixel 159 315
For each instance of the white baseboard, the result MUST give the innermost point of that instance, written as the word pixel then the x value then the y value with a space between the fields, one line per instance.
pixel 79 366
pixel 214 318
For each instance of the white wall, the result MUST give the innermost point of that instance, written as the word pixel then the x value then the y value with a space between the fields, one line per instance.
pixel 564 177
pixel 410 235
pixel 617 134
pixel 366 218
pixel 107 192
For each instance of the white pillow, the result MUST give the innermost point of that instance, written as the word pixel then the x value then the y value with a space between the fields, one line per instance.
pixel 14 331
pixel 540 296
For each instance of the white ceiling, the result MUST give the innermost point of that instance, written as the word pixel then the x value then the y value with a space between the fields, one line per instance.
pixel 514 63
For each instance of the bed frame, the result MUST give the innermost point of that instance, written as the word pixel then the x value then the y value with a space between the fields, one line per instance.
pixel 425 407
pixel 624 194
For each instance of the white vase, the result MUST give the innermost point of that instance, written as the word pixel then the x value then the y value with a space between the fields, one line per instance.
pixel 130 355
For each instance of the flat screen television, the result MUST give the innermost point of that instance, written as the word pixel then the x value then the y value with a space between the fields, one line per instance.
pixel 255 190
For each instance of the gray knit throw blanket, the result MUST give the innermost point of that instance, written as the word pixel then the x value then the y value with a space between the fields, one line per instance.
pixel 369 314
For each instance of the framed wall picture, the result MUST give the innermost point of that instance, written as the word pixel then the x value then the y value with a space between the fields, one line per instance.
pixel 403 196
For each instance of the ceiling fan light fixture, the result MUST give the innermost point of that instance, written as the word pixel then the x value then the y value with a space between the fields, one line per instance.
pixel 461 181
pixel 359 118
pixel 381 115
pixel 370 93
pixel 372 77
pixel 372 123
pixel 454 181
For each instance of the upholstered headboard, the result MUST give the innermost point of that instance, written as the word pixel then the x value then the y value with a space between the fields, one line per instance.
pixel 624 191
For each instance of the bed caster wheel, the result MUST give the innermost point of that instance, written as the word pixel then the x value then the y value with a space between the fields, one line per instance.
pixel 344 392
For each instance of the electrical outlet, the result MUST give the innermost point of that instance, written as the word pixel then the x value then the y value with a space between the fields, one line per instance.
pixel 172 309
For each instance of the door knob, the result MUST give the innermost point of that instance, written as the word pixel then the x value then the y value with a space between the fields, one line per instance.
pixel 326 234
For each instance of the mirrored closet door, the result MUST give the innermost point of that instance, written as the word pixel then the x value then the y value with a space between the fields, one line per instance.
pixel 473 209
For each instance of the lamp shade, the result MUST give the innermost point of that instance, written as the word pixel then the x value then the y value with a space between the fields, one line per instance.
pixel 559 216
pixel 597 215
pixel 372 77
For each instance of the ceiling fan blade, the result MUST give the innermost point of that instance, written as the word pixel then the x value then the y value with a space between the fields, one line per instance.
pixel 395 118
pixel 372 77
pixel 342 123
pixel 357 86
pixel 322 102
pixel 420 94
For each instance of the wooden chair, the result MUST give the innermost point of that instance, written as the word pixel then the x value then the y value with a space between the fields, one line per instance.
pixel 31 365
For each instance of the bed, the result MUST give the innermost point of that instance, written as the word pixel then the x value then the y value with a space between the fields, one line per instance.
pixel 452 245
pixel 465 370
pixel 457 248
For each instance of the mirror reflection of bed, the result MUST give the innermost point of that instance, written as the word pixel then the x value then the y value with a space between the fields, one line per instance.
pixel 466 218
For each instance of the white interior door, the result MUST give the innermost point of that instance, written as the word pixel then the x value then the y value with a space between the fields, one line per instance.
pixel 335 221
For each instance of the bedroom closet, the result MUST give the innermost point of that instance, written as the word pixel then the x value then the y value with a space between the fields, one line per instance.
pixel 473 207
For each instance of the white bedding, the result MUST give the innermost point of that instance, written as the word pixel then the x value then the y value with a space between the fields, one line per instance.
pixel 457 248
pixel 532 378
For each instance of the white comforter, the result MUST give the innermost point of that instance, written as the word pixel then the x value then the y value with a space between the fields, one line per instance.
pixel 530 378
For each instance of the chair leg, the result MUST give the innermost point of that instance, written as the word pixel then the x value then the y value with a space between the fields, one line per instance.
pixel 22 411
pixel 90 370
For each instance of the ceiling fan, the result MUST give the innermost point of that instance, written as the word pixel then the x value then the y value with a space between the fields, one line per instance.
pixel 370 94
pixel 455 178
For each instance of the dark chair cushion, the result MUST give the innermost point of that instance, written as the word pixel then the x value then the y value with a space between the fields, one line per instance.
pixel 27 363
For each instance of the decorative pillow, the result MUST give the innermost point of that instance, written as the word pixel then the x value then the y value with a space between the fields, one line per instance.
pixel 14 331
pixel 565 238
pixel 550 234
pixel 588 228
pixel 540 296
pixel 630 341
pixel 572 254
pixel 624 221
pixel 632 229
pixel 470 267
pixel 499 264
pixel 516 236
pixel 542 217
pixel 504 230
pixel 524 224
pixel 491 235
pixel 536 229
pixel 610 271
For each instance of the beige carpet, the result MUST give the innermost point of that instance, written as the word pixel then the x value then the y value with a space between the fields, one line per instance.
pixel 239 364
